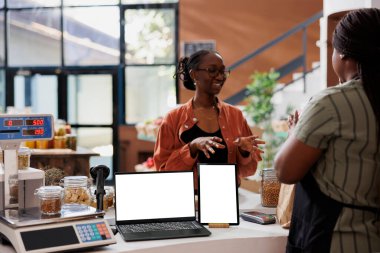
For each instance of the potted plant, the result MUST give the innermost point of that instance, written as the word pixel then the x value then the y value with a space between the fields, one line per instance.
pixel 259 94
pixel 259 109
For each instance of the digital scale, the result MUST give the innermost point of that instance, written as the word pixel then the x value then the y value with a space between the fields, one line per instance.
pixel 21 221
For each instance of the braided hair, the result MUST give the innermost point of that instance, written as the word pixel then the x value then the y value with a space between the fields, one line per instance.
pixel 357 36
pixel 190 63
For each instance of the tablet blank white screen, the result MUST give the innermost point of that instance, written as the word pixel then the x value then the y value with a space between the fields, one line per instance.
pixel 217 193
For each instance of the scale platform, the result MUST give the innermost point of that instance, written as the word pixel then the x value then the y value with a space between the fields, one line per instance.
pixel 30 231
pixel 33 216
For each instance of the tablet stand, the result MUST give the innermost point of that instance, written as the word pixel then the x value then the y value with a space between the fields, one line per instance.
pixel 218 225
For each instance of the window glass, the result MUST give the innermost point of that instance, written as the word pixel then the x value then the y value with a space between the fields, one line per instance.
pixel 2 49
pixel 32 3
pixel 34 37
pixel 98 140
pixel 149 36
pixel 89 2
pixel 1 3
pixel 91 35
pixel 2 92
pixel 31 94
pixel 90 99
pixel 150 92
pixel 148 1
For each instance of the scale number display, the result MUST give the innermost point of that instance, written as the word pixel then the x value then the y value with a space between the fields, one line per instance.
pixel 13 122
pixel 33 132
pixel 34 122
pixel 20 122
pixel 26 127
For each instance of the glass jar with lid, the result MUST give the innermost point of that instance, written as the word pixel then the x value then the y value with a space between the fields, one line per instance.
pixel 60 142
pixel 23 155
pixel 94 200
pixel 107 199
pixel 76 191
pixel 50 199
pixel 110 195
pixel 13 188
pixel 270 188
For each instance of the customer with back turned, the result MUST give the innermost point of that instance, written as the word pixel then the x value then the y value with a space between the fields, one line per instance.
pixel 205 129
pixel 333 151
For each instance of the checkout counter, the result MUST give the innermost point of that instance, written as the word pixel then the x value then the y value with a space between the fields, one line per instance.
pixel 247 237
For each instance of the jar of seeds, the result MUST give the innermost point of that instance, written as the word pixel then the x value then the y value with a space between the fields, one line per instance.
pixel 23 154
pixel 50 199
pixel 270 188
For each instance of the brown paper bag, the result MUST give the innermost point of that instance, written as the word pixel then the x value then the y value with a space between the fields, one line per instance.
pixel 285 204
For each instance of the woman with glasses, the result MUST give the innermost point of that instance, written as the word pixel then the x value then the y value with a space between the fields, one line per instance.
pixel 205 129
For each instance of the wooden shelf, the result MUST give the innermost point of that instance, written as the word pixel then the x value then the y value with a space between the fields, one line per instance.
pixel 70 161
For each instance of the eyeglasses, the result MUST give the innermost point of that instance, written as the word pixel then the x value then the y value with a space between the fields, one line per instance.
pixel 214 72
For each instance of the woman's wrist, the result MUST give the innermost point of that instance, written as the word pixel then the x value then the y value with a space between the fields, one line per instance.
pixel 193 150
pixel 244 153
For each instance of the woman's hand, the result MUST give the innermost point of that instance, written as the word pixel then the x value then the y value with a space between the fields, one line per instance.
pixel 249 145
pixel 292 121
pixel 205 144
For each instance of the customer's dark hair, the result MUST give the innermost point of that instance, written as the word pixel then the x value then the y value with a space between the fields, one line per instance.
pixel 190 63
pixel 358 36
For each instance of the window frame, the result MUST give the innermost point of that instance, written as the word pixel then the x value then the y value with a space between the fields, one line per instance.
pixel 62 71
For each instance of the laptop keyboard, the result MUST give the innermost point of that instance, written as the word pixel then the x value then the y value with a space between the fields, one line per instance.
pixel 150 227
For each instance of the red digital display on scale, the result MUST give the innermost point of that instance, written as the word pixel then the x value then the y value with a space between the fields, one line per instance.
pixel 32 132
pixel 13 122
pixel 34 122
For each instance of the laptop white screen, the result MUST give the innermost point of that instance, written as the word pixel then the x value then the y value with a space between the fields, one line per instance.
pixel 154 195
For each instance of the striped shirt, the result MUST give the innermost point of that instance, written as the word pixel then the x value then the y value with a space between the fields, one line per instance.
pixel 340 120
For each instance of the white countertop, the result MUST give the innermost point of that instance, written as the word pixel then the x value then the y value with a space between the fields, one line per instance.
pixel 246 237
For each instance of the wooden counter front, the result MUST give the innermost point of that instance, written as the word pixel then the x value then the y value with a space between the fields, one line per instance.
pixel 73 163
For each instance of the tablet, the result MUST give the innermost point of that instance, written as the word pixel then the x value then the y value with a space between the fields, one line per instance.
pixel 218 200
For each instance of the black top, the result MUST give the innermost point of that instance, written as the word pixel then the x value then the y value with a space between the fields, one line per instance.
pixel 220 155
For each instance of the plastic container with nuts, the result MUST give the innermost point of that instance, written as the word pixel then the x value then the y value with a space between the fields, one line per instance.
pixel 50 199
pixel 270 188
pixel 23 154
pixel 76 192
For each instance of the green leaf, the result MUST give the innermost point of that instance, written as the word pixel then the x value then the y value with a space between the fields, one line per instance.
pixel 259 108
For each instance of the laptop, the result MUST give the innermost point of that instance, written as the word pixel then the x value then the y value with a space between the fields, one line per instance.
pixel 156 205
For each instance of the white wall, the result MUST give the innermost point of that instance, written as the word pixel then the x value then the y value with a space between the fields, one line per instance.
pixel 334 6
pixel 331 7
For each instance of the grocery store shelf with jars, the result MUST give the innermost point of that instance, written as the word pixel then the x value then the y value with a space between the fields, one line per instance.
pixel 63 139
pixel 59 156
